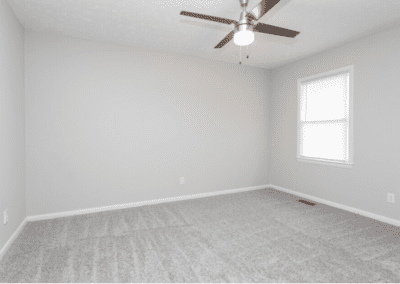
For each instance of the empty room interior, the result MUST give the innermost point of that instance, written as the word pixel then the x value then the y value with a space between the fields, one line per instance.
pixel 199 141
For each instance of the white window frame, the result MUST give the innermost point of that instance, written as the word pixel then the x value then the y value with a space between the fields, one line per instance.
pixel 349 164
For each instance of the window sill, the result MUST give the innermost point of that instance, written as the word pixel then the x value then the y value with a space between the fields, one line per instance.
pixel 326 163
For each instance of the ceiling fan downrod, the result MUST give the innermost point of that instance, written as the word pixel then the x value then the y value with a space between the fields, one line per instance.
pixel 244 3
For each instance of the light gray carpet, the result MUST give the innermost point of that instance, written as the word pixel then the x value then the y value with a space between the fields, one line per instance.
pixel 256 236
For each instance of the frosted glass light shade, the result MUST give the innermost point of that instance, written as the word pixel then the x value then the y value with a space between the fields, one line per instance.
pixel 243 38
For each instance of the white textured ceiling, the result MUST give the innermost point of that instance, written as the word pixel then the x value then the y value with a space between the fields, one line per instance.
pixel 156 24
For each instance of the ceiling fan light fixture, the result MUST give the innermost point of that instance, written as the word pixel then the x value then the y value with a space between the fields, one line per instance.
pixel 244 37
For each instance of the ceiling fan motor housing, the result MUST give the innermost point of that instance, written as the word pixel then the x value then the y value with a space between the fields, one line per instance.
pixel 243 27
pixel 244 23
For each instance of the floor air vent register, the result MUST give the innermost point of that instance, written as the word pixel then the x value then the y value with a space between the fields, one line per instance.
pixel 306 202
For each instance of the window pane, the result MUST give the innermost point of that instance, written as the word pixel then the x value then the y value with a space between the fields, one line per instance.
pixel 325 99
pixel 324 140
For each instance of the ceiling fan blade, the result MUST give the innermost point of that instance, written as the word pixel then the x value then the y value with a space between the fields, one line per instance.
pixel 261 9
pixel 225 40
pixel 207 17
pixel 273 30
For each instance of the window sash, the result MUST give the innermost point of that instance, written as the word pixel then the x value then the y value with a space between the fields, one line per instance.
pixel 304 93
pixel 344 122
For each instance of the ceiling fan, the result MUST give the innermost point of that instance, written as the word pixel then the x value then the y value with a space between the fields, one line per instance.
pixel 243 33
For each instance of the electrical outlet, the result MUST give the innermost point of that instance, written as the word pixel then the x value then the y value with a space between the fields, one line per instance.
pixel 182 180
pixel 5 216
pixel 390 198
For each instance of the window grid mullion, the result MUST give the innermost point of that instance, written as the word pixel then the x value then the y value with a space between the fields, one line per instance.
pixel 342 120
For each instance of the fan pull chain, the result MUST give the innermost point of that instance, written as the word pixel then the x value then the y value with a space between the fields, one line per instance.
pixel 240 54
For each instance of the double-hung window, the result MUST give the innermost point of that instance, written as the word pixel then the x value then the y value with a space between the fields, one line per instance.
pixel 324 128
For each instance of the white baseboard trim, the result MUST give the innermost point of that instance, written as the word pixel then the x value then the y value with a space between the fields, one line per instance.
pixel 141 203
pixel 339 206
pixel 12 238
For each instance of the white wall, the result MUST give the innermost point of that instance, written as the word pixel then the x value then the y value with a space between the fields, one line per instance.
pixel 109 124
pixel 376 169
pixel 12 142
